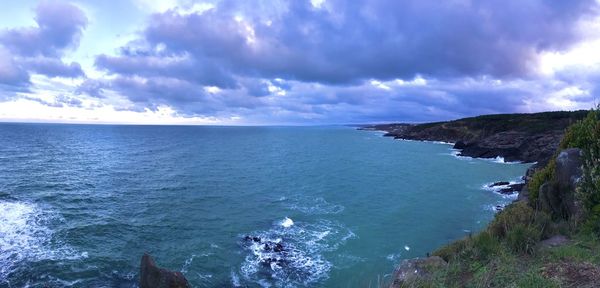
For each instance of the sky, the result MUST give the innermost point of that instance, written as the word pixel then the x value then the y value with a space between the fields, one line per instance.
pixel 295 62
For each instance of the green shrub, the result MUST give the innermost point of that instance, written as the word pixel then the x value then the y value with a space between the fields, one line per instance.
pixel 585 134
pixel 452 250
pixel 540 177
pixel 523 238
pixel 570 252
pixel 513 215
pixel 486 246
pixel 535 280
pixel 580 134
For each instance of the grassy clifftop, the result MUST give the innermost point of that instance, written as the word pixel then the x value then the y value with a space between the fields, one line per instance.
pixel 551 239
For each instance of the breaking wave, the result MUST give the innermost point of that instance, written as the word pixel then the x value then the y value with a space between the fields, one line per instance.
pixel 25 236
pixel 291 256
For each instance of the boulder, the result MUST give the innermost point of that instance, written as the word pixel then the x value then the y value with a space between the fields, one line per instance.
pixel 558 195
pixel 151 276
pixel 411 270
pixel 555 241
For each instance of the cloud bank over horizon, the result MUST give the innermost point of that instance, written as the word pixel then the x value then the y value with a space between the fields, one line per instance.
pixel 295 62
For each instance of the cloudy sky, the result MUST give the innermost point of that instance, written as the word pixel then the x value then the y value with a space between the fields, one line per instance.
pixel 256 62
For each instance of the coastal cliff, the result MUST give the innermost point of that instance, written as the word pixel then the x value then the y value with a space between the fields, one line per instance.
pixel 514 137
pixel 550 236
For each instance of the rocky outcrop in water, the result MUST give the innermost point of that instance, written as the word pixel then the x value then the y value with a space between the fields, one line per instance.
pixel 151 276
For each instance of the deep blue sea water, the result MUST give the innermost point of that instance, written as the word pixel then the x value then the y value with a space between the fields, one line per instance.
pixel 80 204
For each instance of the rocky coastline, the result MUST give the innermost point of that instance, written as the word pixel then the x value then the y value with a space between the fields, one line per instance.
pixel 525 138
pixel 529 138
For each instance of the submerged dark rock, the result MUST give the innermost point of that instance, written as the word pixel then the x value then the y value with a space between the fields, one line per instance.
pixel 151 276
pixel 275 249
pixel 501 183
pixel 512 188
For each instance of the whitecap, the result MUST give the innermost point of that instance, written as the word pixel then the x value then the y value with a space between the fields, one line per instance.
pixel 312 205
pixel 393 257
pixel 287 222
pixel 25 236
pixel 187 263
pixel 235 279
pixel 496 189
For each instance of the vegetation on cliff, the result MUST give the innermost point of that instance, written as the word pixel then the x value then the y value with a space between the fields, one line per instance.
pixel 529 244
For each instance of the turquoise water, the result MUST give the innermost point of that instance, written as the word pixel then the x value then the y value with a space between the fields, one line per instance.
pixel 80 204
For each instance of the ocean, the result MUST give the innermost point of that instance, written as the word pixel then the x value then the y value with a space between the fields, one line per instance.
pixel 80 204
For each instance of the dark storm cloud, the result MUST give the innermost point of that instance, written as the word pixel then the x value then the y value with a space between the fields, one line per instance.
pixel 204 72
pixel 53 67
pixel 353 40
pixel 251 49
pixel 39 49
pixel 12 74
pixel 91 87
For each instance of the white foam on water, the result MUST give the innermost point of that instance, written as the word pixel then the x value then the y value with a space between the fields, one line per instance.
pixel 498 159
pixel 428 141
pixel 312 205
pixel 235 279
pixel 456 154
pixel 287 222
pixel 186 265
pixel 406 247
pixel 498 188
pixel 25 237
pixel 443 143
pixel 301 263
pixel 394 257
pixel 501 160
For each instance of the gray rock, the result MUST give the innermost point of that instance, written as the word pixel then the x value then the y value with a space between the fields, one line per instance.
pixel 558 195
pixel 151 276
pixel 555 241
pixel 411 270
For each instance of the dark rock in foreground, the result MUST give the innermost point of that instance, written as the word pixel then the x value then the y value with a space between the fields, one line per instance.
pixel 151 276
